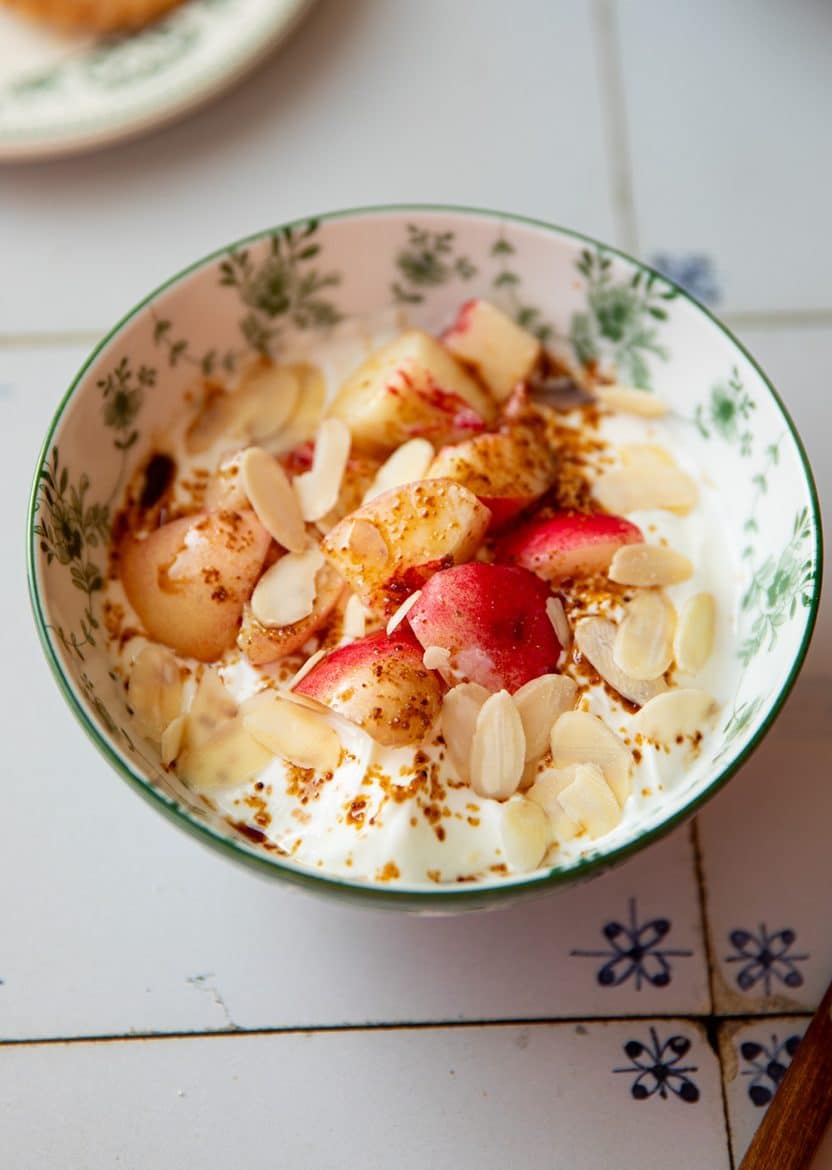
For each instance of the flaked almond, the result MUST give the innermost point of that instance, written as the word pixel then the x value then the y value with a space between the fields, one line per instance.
pixel 214 421
pixel 154 690
pixel 171 741
pixel 590 802
pixel 540 702
pixel 560 624
pixel 401 613
pixel 648 565
pixel 286 591
pixel 498 750
pixel 407 464
pixel 212 708
pixel 645 455
pixel 437 658
pixel 581 738
pixel 366 542
pixel 646 485
pixel 595 638
pixel 695 632
pixel 631 401
pixel 264 400
pixel 297 734
pixel 643 646
pixel 318 488
pixel 230 757
pixel 460 708
pixel 682 712
pixel 302 671
pixel 545 791
pixel 273 499
pixel 524 834
pixel 355 618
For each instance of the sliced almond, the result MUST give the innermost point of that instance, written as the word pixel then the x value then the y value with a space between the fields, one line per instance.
pixel 231 756
pixel 286 591
pixel 643 646
pixel 311 662
pixel 560 624
pixel 682 712
pixel 540 702
pixel 318 488
pixel 297 734
pixel 365 541
pixel 273 499
pixel 154 690
pixel 407 464
pixel 402 612
pixel 648 565
pixel 212 708
pixel 581 738
pixel 650 485
pixel 355 618
pixel 695 632
pixel 646 455
pixel 436 658
pixel 214 420
pixel 595 638
pixel 171 741
pixel 225 491
pixel 545 791
pixel 524 834
pixel 460 708
pixel 625 398
pixel 264 400
pixel 589 801
pixel 498 750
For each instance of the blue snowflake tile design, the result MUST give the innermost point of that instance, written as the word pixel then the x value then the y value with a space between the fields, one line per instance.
pixel 768 1066
pixel 635 951
pixel 694 271
pixel 766 959
pixel 657 1068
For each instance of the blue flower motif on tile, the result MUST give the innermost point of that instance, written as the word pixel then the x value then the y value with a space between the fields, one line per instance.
pixel 694 271
pixel 768 1066
pixel 635 952
pixel 657 1068
pixel 766 959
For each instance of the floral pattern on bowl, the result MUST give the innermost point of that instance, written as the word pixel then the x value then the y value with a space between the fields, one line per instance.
pixel 588 302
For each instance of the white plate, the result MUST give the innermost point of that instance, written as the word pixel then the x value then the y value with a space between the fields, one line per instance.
pixel 66 92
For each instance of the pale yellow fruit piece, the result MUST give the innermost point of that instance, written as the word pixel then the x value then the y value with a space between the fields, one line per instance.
pixel 411 387
pixel 590 802
pixel 524 834
pixel 643 646
pixel 695 632
pixel 264 400
pixel 501 352
pixel 460 708
pixel 646 485
pixel 649 565
pixel 213 706
pixel 498 749
pixel 154 690
pixel 230 757
pixel 547 787
pixel 681 712
pixel 295 733
pixel 171 741
pixel 595 638
pixel 419 524
pixel 540 702
pixel 581 738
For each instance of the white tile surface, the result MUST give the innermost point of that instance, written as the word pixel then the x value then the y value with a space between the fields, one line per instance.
pixel 369 102
pixel 728 113
pixel 489 1098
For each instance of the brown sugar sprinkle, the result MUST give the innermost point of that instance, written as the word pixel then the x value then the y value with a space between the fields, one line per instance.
pixel 388 872
pixel 262 816
pixel 501 868
pixel 473 821
pixel 113 618
pixel 434 875
pixel 637 756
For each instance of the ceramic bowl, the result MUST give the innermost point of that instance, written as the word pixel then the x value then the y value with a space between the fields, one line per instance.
pixel 589 300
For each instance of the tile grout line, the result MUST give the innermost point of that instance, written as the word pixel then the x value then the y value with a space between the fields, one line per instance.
pixel 614 117
pixel 714 1022
pixel 708 1021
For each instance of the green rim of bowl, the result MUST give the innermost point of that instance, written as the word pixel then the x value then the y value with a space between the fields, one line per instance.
pixel 409 897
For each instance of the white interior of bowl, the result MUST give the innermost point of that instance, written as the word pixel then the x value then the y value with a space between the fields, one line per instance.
pixel 582 299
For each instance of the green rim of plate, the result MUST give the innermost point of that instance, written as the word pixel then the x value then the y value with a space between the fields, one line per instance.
pixel 412 897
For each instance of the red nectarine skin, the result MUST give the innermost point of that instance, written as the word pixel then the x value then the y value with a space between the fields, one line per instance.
pixel 568 544
pixel 492 619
